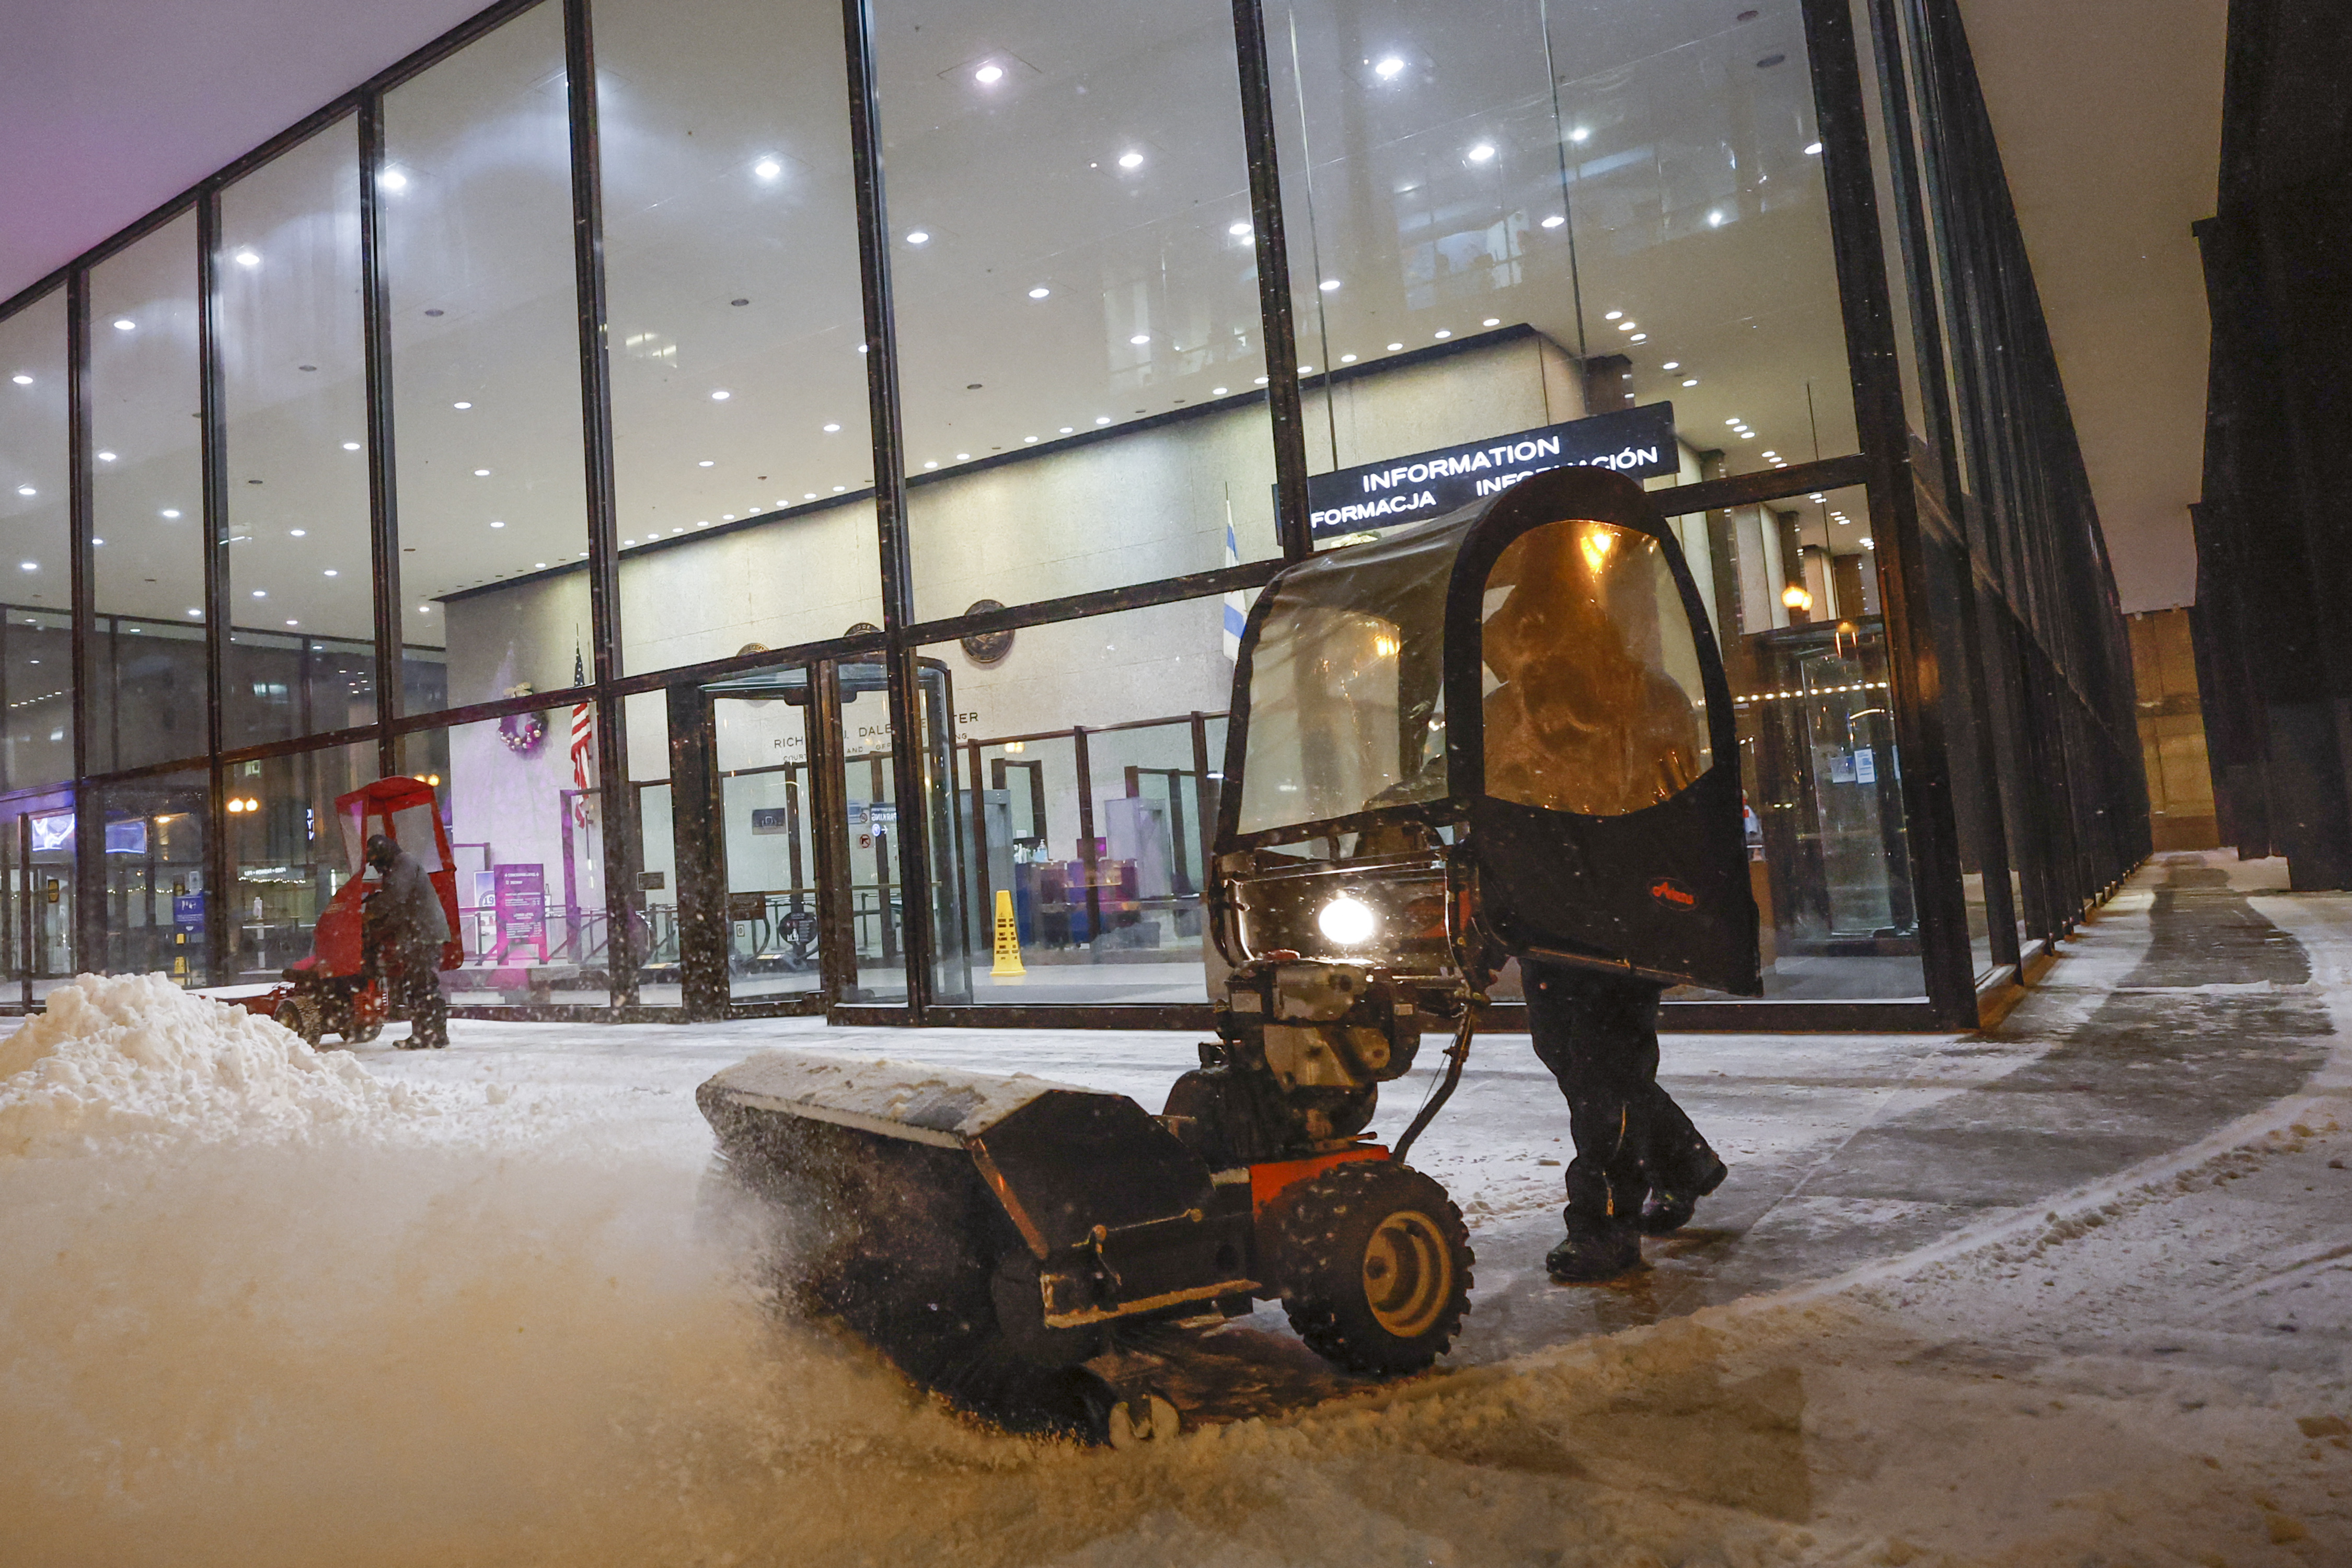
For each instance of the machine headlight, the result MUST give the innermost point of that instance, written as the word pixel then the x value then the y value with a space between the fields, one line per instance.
pixel 1347 921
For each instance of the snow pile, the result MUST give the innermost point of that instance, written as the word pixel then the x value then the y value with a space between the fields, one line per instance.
pixel 135 1057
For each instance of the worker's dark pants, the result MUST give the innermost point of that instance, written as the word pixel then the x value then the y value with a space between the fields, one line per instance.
pixel 1599 1036
pixel 419 987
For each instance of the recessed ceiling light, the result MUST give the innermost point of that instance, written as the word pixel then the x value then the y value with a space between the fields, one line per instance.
pixel 1039 292
pixel 626 543
pixel 1735 421
pixel 767 168
pixel 261 593
pixel 29 490
pixel 124 323
pixel 293 532
pixel 105 457
pixel 539 565
pixel 21 380
pixel 721 395
pixel 1131 160
pixel 29 565
pixel 1239 230
pixel 481 473
pixel 1394 347
pixel 1614 316
pixel 1715 220
pixel 1346 359
pixel 392 180
pixel 1812 150
pixel 1692 381
pixel 497 523
pixel 1672 364
pixel 351 446
pixel 1388 68
pixel 841 489
pixel 332 573
pixel 1140 339
pixel 427 609
pixel 461 406
pixel 1480 152
pixel 1105 419
pixel 932 463
pixel 191 610
pixel 168 512
pixel 725 517
pixel 1627 326
pixel 1554 221
pixel 1307 370
pixel 1328 284
pixel 1442 332
pixel 918 236
pixel 248 258
pixel 1261 381
pixel 1816 496
pixel 293 622
pixel 964 457
pixel 1638 338
pixel 989 75
pixel 93 542
pixel 1028 440
pixel 705 463
pixel 1068 429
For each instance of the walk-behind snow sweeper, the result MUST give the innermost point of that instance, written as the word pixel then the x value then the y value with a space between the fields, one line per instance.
pixel 1504 732
pixel 338 987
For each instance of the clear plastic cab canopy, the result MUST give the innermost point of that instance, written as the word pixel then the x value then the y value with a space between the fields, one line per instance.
pixel 1589 671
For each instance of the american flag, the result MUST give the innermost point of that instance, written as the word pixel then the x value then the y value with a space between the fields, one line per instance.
pixel 1236 605
pixel 583 743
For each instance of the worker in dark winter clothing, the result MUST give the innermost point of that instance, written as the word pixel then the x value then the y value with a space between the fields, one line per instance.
pixel 1579 721
pixel 410 928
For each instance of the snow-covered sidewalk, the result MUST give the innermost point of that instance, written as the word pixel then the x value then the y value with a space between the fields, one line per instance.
pixel 2079 1290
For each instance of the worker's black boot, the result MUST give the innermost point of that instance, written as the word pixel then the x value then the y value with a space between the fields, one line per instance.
pixel 1668 1209
pixel 1594 1251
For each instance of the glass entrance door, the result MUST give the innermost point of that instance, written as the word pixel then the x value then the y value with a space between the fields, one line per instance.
pixel 767 824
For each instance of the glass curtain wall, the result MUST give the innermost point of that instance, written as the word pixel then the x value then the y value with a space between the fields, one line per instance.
pixel 737 329
pixel 153 898
pixel 475 205
pixel 528 851
pixel 1083 771
pixel 284 853
pixel 1078 328
pixel 35 550
pixel 1539 211
pixel 37 685
pixel 1536 215
pixel 1526 215
pixel 145 680
pixel 301 631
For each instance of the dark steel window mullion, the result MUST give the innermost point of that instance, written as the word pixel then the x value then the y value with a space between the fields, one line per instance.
pixel 384 520
pixel 1914 239
pixel 1917 687
pixel 891 516
pixel 1277 325
pixel 617 807
pixel 88 935
pixel 214 468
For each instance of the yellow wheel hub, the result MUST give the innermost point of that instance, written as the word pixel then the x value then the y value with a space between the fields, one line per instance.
pixel 1408 1274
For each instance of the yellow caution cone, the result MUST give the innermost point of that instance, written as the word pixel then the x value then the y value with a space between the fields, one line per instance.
pixel 1008 940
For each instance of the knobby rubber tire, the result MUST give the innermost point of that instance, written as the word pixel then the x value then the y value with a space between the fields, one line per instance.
pixel 1321 1231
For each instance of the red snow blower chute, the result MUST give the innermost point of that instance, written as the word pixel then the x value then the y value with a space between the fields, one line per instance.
pixel 1502 733
pixel 338 987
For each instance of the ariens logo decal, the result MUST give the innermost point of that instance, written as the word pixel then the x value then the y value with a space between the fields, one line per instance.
pixel 1672 894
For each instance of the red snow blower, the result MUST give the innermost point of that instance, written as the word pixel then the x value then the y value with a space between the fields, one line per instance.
pixel 1506 732
pixel 338 987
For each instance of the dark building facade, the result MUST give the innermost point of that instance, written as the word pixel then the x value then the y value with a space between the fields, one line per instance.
pixel 2273 617
pixel 784 474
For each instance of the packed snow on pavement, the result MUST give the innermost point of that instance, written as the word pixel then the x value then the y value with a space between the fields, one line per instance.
pixel 266 1305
